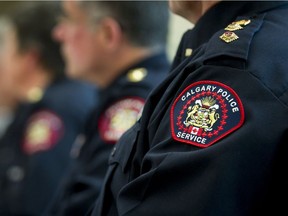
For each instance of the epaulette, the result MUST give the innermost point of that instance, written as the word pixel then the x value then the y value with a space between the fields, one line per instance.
pixel 234 41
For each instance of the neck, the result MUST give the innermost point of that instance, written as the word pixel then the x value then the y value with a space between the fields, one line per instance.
pixel 200 10
pixel 125 58
pixel 38 80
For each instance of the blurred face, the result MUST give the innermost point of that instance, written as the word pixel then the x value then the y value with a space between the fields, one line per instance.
pixel 14 67
pixel 81 45
pixel 7 95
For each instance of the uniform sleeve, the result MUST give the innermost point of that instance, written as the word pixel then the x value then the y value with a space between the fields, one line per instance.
pixel 83 183
pixel 223 166
pixel 212 141
pixel 81 186
pixel 47 141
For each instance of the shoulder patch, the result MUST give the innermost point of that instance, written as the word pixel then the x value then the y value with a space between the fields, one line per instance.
pixel 43 131
pixel 119 117
pixel 205 112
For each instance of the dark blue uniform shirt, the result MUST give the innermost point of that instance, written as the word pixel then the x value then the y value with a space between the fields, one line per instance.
pixel 35 150
pixel 193 38
pixel 212 139
pixel 120 105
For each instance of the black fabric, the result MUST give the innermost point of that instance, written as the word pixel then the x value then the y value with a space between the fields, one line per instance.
pixel 242 172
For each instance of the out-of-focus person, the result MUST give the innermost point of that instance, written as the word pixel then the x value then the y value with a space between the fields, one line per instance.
pixel 8 104
pixel 35 149
pixel 8 100
pixel 121 47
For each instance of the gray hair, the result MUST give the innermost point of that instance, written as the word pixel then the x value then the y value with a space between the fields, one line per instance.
pixel 136 18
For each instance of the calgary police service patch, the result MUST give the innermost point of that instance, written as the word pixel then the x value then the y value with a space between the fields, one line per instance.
pixel 119 117
pixel 205 112
pixel 43 131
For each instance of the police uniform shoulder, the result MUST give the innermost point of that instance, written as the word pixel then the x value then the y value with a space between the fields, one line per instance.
pixel 157 63
pixel 235 39
pixel 150 72
pixel 268 53
pixel 139 80
pixel 125 107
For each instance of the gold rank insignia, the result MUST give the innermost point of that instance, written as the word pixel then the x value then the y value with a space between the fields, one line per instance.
pixel 188 52
pixel 237 25
pixel 229 36
pixel 136 75
pixel 35 94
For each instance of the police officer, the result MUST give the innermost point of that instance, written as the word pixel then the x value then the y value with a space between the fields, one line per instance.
pixel 119 46
pixel 212 139
pixel 34 151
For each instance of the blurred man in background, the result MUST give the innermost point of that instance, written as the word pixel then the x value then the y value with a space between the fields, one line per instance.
pixel 121 47
pixel 8 100
pixel 8 104
pixel 35 149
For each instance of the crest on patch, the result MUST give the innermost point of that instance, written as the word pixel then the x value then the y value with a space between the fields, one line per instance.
pixel 119 117
pixel 205 112
pixel 43 131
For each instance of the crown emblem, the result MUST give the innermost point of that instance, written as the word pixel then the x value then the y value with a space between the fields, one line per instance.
pixel 208 102
pixel 237 25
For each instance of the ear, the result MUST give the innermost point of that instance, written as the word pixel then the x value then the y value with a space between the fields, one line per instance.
pixel 32 58
pixel 112 35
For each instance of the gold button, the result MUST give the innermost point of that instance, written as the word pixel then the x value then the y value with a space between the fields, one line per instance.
pixel 188 52
pixel 15 173
pixel 35 94
pixel 136 75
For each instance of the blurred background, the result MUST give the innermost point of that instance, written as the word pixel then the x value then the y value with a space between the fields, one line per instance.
pixel 34 111
pixel 178 26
